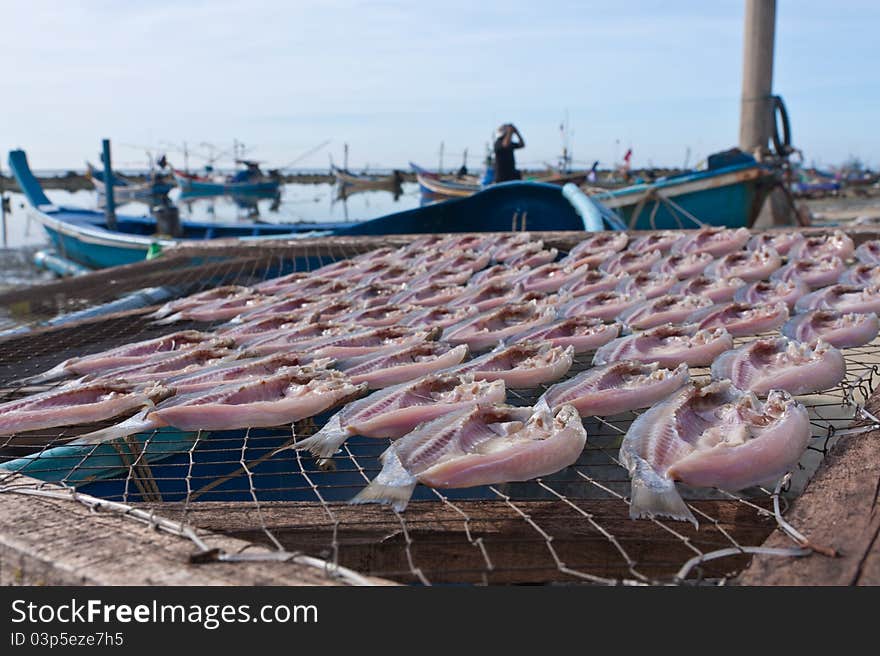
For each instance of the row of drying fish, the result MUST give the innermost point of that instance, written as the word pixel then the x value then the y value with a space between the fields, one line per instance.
pixel 301 344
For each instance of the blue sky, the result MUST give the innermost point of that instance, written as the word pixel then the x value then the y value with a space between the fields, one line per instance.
pixel 395 79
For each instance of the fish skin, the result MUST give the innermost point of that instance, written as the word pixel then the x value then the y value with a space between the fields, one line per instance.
pixel 520 366
pixel 365 341
pixel 748 265
pixel 77 403
pixel 762 291
pixel 648 283
pixel 242 332
pixel 378 316
pixel 669 308
pixel 295 337
pixel 550 277
pixel 840 329
pixel 580 333
pixel 398 365
pixel 395 411
pixel 663 241
pixel 837 243
pixel 487 329
pixel 816 272
pixel 283 398
pixel 592 251
pixel 128 354
pixel 615 388
pixel 845 298
pixel 629 262
pixel 668 346
pixel 603 305
pixel 427 296
pixel 865 275
pixel 497 273
pixel 683 265
pixel 715 241
pixel 162 370
pixel 719 290
pixel 483 445
pixel 741 319
pixel 439 317
pixel 711 436
pixel 489 295
pixel 781 242
pixel 869 252
pixel 781 364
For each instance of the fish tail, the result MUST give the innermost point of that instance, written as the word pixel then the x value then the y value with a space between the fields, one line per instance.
pixel 655 496
pixel 326 442
pixel 394 485
pixel 174 318
pixel 56 372
pixel 135 424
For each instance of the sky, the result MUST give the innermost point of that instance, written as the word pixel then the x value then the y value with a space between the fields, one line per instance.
pixel 394 80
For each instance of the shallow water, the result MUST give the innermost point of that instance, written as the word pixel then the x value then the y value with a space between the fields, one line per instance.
pixel 297 203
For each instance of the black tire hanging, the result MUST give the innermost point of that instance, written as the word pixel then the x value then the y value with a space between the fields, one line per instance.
pixel 782 146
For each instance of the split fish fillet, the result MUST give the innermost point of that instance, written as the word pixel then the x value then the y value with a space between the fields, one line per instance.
pixel 663 241
pixel 80 403
pixel 497 273
pixel 173 365
pixel 283 398
pixel 550 277
pixel 683 265
pixel 194 300
pixel 397 365
pixel 616 388
pixel 814 272
pixel 489 295
pixel 648 283
pixel 748 265
pixel 845 298
pixel 580 333
pixel 865 275
pixel 481 445
pixel 603 305
pixel 785 291
pixel 520 366
pixel 712 436
pixel 439 317
pixel 668 346
pixel 869 252
pixel 837 243
pixel 592 251
pixel 742 319
pixel 715 241
pixel 840 329
pixel 590 282
pixel 719 290
pixel 781 242
pixel 629 262
pixel 670 308
pixel 242 370
pixel 395 411
pixel 486 330
pixel 781 364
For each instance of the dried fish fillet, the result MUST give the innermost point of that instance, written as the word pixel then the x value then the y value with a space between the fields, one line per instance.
pixel 663 241
pixel 397 365
pixel 601 305
pixel 581 333
pixel 670 308
pixel 781 364
pixel 748 265
pixel 590 282
pixel 592 251
pixel 668 346
pixel 79 403
pixel 815 272
pixel 195 300
pixel 840 329
pixel 712 436
pixel 175 364
pixel 616 388
pixel 784 291
pixel 864 275
pixel 629 262
pixel 837 243
pixel 719 290
pixel 781 242
pixel 240 371
pixel 742 319
pixel 439 317
pixel 520 366
pixel 648 283
pixel 715 241
pixel 845 298
pixel 283 398
pixel 486 330
pixel 550 277
pixel 869 252
pixel 482 445
pixel 395 411
pixel 683 265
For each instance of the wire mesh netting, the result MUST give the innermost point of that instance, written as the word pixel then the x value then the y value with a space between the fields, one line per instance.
pixel 573 526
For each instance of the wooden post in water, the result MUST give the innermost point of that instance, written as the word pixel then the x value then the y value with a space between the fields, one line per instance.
pixel 3 204
pixel 756 111
pixel 109 200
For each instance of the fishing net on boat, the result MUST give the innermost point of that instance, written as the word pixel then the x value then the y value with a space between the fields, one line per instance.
pixel 573 526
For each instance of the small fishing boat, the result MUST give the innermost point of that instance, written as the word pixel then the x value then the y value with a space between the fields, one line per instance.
pixel 730 192
pixel 83 237
pixel 127 191
pixel 249 180
pixel 346 178
pixel 453 186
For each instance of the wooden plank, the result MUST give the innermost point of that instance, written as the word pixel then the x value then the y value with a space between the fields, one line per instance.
pixel 840 509
pixel 62 542
pixel 496 545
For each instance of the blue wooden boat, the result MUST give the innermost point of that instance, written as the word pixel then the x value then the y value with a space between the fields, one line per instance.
pixel 248 181
pixel 83 237
pixel 730 192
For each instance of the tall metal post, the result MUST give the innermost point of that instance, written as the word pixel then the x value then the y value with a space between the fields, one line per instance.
pixel 756 110
pixel 109 204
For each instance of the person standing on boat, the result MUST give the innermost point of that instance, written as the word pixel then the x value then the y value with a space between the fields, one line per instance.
pixel 505 163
